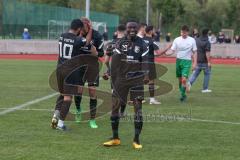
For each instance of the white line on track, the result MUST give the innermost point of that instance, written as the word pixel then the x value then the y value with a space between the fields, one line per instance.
pixel 28 104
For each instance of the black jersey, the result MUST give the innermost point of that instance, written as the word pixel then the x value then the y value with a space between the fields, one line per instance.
pixel 69 46
pixel 97 41
pixel 111 46
pixel 131 58
pixel 152 46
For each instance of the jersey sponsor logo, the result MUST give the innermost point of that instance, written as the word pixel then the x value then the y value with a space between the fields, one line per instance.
pixel 137 49
pixel 130 57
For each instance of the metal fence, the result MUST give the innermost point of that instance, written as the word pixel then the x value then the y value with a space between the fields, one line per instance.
pixel 44 21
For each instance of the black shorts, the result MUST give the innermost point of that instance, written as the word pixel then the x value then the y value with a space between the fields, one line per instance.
pixel 152 70
pixel 70 75
pixel 84 74
pixel 122 88
pixel 65 85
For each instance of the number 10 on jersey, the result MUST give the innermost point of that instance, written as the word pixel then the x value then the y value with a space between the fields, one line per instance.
pixel 65 50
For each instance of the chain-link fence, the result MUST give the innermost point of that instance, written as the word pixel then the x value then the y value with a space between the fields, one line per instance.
pixel 44 21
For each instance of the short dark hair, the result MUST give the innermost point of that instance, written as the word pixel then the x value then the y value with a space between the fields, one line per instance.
pixel 185 28
pixel 131 20
pixel 121 28
pixel 205 31
pixel 142 25
pixel 76 23
pixel 149 29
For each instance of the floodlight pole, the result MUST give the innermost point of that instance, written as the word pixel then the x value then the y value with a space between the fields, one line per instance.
pixel 147 12
pixel 87 8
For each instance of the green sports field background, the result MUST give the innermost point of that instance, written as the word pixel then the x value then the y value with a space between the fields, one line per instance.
pixel 212 134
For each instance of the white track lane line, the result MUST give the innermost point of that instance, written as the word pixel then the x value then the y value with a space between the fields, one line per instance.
pixel 28 104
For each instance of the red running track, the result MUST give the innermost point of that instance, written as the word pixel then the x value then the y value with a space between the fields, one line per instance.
pixel 53 57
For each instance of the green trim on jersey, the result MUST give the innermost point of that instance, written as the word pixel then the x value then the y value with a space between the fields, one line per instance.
pixel 183 67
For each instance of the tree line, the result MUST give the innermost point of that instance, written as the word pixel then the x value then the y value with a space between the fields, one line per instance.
pixel 168 15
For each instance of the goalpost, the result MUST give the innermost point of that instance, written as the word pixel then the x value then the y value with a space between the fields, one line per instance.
pixel 55 28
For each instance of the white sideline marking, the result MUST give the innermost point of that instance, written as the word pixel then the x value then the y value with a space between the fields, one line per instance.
pixel 213 121
pixel 28 104
pixel 30 109
pixel 20 107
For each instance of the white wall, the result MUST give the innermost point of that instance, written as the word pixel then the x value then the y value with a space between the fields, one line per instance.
pixel 28 46
pixel 51 47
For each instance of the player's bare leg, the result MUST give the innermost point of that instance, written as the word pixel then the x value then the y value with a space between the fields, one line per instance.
pixel 182 88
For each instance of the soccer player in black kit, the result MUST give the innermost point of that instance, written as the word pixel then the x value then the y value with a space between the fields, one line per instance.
pixel 97 41
pixel 120 33
pixel 69 46
pixel 153 49
pixel 129 70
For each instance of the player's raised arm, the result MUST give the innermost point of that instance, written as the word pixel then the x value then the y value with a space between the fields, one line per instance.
pixel 99 44
pixel 159 52
pixel 94 50
pixel 90 32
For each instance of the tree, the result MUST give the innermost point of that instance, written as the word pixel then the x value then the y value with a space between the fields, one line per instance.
pixel 233 15
pixel 214 14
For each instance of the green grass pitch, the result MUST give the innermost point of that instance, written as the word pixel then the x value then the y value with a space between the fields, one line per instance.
pixel 26 134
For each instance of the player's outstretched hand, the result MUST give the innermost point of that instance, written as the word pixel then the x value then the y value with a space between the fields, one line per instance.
pixel 194 66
